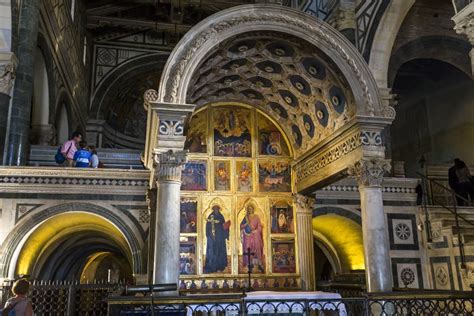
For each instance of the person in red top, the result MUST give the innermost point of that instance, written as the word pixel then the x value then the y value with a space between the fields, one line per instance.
pixel 69 148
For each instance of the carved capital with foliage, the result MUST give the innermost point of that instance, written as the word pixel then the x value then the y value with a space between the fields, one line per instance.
pixel 169 165
pixel 304 204
pixel 370 172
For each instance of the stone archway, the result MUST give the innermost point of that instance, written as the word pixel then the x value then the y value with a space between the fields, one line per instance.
pixel 355 147
pixel 11 247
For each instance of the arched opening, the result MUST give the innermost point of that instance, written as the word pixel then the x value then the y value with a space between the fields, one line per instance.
pixel 43 133
pixel 75 246
pixel 62 124
pixel 435 114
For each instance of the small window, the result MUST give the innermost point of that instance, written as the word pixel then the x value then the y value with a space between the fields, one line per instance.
pixel 73 8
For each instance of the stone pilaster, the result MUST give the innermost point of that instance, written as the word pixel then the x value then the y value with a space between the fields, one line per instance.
pixel 8 64
pixel 369 175
pixel 166 247
pixel 23 90
pixel 151 198
pixel 464 20
pixel 304 229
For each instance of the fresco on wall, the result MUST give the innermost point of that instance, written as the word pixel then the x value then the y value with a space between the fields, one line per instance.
pixel 193 176
pixel 244 176
pixel 270 139
pixel 283 256
pixel 251 238
pixel 274 176
pixel 188 219
pixel 217 231
pixel 222 175
pixel 187 256
pixel 232 136
pixel 282 218
pixel 196 140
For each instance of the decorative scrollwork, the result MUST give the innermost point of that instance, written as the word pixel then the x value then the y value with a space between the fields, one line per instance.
pixel 370 138
pixel 171 128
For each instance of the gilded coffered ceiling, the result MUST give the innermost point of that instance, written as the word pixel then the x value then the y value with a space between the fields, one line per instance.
pixel 288 78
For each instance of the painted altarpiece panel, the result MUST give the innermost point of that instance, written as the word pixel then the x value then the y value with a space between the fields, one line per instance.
pixel 270 140
pixel 283 256
pixel 232 132
pixel 244 175
pixel 282 218
pixel 274 176
pixel 222 175
pixel 252 233
pixel 187 256
pixel 196 140
pixel 217 236
pixel 194 176
pixel 188 219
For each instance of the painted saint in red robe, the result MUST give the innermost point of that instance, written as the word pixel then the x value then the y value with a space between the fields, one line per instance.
pixel 251 231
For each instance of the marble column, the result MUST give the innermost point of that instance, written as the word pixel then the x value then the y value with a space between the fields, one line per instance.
pixel 166 250
pixel 7 77
pixel 21 108
pixel 369 175
pixel 304 229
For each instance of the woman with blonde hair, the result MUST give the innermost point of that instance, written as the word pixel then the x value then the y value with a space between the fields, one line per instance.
pixel 19 305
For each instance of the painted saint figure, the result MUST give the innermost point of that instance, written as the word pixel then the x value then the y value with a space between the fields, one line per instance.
pixel 251 231
pixel 217 232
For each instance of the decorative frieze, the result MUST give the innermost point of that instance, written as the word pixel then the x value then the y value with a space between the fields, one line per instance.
pixel 370 172
pixel 171 128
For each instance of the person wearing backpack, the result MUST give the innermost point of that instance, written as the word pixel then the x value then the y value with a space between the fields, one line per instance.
pixel 19 305
pixel 82 157
pixel 68 149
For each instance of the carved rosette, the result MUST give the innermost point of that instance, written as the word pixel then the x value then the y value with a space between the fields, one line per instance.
pixel 370 172
pixel 7 77
pixel 304 204
pixel 169 165
pixel 150 96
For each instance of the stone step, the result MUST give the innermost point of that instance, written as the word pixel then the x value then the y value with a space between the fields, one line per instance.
pixel 110 157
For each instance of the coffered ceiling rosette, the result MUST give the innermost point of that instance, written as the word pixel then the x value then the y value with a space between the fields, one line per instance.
pixel 288 78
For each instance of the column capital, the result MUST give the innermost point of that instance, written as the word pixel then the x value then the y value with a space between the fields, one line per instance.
pixel 304 204
pixel 169 165
pixel 8 63
pixel 464 21
pixel 369 172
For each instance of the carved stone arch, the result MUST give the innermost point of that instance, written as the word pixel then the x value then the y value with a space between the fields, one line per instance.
pixel 329 251
pixel 63 103
pixel 27 224
pixel 137 65
pixel 384 39
pixel 451 50
pixel 358 136
pixel 201 39
pixel 318 211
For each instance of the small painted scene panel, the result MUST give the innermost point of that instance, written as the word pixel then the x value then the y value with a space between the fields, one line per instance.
pixel 188 219
pixel 194 176
pixel 270 140
pixel 222 175
pixel 196 140
pixel 217 226
pixel 274 176
pixel 232 132
pixel 244 175
pixel 282 217
pixel 187 256
pixel 283 256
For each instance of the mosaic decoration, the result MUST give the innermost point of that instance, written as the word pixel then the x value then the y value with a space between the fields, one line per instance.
pixel 284 77
pixel 283 256
pixel 187 256
pixel 244 176
pixel 274 176
pixel 232 133
pixel 188 219
pixel 194 176
pixel 282 218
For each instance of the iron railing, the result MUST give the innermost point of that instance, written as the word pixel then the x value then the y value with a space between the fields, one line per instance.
pixel 438 303
pixel 430 199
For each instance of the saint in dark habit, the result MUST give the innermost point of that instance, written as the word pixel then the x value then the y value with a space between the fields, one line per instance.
pixel 217 232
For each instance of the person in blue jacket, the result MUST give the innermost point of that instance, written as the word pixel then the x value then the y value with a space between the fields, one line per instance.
pixel 82 157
